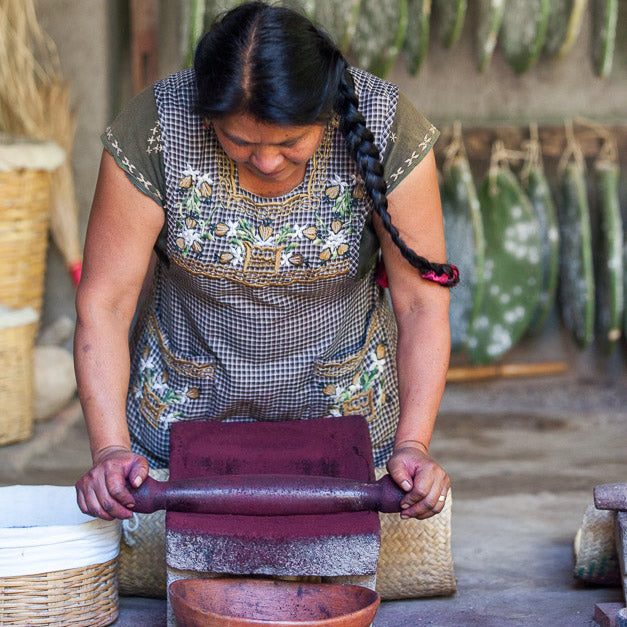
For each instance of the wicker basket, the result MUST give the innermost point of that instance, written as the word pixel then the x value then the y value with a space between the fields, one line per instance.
pixel 17 337
pixel 24 202
pixel 78 596
pixel 25 168
pixel 57 565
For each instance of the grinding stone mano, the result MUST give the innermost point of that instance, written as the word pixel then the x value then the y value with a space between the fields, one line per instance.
pixel 322 545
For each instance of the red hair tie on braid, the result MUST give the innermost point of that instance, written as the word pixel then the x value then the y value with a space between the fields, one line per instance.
pixel 443 278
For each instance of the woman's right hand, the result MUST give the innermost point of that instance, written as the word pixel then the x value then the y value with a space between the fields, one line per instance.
pixel 103 492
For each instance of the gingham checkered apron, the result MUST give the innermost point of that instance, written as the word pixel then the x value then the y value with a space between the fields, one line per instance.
pixel 268 308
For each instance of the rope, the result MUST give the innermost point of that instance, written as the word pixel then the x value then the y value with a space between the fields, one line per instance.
pixel 500 158
pixel 533 156
pixel 609 147
pixel 573 150
pixel 129 527
pixel 456 147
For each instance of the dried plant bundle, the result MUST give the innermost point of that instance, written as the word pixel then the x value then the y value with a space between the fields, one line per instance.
pixel 35 102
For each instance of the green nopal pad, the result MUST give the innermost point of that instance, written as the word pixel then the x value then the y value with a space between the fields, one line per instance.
pixel 609 263
pixel 450 15
pixel 523 32
pixel 539 194
pixel 339 19
pixel 513 272
pixel 216 7
pixel 565 18
pixel 465 247
pixel 380 35
pixel 489 20
pixel 604 23
pixel 576 289
pixel 417 39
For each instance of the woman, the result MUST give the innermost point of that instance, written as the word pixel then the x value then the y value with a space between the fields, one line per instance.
pixel 257 179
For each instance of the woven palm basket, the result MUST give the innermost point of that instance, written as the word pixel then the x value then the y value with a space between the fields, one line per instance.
pixel 24 202
pixel 57 565
pixel 25 169
pixel 415 559
pixel 80 596
pixel 17 337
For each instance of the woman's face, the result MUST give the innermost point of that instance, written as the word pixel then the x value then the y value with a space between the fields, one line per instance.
pixel 268 152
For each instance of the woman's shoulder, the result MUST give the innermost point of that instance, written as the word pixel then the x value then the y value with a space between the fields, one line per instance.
pixel 411 137
pixel 378 98
pixel 134 140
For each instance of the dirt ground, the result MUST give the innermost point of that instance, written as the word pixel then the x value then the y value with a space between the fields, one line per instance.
pixel 523 456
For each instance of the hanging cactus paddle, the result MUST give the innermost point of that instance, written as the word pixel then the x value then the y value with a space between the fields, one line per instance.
pixel 565 18
pixel 576 289
pixel 214 8
pixel 194 26
pixel 465 246
pixel 339 19
pixel 539 193
pixel 450 16
pixel 512 268
pixel 489 20
pixel 306 7
pixel 380 35
pixel 604 22
pixel 523 32
pixel 609 263
pixel 417 38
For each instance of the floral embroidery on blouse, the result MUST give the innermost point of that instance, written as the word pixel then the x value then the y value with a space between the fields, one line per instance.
pixel 192 228
pixel 265 246
pixel 160 402
pixel 361 396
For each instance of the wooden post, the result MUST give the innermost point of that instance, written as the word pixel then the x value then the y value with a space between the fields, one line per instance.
pixel 144 43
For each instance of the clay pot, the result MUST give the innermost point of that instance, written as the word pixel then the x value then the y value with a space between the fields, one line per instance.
pixel 240 602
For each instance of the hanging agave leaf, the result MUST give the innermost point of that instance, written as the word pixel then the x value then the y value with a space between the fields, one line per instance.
pixel 339 19
pixel 512 268
pixel 417 39
pixel 489 22
pixel 465 246
pixel 576 271
pixel 539 193
pixel 380 34
pixel 565 18
pixel 609 263
pixel 604 22
pixel 194 26
pixel 523 32
pixel 306 7
pixel 214 8
pixel 450 15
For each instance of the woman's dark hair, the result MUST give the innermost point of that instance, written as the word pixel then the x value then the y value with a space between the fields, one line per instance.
pixel 274 64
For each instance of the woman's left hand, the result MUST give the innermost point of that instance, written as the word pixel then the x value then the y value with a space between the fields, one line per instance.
pixel 425 482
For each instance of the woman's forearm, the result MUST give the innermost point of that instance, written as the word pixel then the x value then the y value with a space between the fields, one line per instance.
pixel 422 361
pixel 101 358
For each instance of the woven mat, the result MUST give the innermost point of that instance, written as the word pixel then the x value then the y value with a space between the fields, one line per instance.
pixel 596 559
pixel 141 562
pixel 415 559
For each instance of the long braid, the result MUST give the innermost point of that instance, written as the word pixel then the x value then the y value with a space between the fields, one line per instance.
pixel 361 146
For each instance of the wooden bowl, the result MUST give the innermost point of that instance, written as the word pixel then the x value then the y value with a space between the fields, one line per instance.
pixel 240 602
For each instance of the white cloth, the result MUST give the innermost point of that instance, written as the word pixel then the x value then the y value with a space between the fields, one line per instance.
pixel 42 530
pixel 17 153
